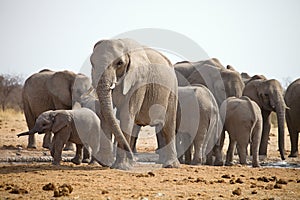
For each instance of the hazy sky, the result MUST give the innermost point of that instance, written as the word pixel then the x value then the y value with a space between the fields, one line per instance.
pixel 258 37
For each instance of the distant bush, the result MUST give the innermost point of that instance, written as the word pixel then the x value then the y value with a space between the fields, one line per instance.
pixel 11 92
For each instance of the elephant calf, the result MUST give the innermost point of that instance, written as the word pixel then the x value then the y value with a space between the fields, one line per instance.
pixel 80 126
pixel 243 122
pixel 198 124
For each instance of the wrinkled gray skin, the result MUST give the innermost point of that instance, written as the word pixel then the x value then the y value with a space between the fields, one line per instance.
pixel 49 90
pixel 222 82
pixel 140 82
pixel 292 100
pixel 243 122
pixel 268 94
pixel 80 126
pixel 198 125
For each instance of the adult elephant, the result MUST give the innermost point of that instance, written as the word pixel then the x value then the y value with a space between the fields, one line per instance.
pixel 222 82
pixel 140 82
pixel 49 90
pixel 292 100
pixel 268 94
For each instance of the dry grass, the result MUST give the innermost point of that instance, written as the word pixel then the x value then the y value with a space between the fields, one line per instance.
pixel 11 114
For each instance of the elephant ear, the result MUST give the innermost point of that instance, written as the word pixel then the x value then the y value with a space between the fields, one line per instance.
pixel 60 120
pixel 138 65
pixel 60 87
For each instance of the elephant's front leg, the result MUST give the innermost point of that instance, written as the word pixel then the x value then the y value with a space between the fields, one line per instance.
pixel 78 157
pixel 122 161
pixel 168 155
pixel 56 150
pixel 265 133
pixel 47 140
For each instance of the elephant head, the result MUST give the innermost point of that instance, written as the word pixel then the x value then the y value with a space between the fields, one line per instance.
pixel 67 88
pixel 233 82
pixel 268 94
pixel 49 121
pixel 116 63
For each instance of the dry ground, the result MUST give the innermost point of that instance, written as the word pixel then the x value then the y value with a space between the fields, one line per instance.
pixel 145 181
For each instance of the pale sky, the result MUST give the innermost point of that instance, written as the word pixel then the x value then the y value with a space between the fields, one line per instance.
pixel 258 37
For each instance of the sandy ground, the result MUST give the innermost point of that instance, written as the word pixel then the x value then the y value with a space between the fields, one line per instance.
pixel 144 181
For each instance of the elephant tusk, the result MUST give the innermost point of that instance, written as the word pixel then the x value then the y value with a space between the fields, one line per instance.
pixel 112 86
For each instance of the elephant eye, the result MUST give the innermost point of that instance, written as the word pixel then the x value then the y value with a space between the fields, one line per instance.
pixel 266 94
pixel 120 63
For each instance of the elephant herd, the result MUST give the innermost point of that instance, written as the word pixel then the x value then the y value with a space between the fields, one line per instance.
pixel 190 104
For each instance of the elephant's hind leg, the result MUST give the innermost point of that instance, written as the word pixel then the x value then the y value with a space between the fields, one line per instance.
pixel 230 152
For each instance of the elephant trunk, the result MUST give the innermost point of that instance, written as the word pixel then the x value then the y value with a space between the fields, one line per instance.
pixel 30 132
pixel 280 112
pixel 105 98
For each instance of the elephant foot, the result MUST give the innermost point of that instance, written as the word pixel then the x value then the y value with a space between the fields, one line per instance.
pixel 293 154
pixel 196 161
pixel 218 163
pixel 46 146
pixel 57 163
pixel 31 146
pixel 173 164
pixel 86 160
pixel 228 164
pixel 76 161
pixel 121 166
pixel 255 165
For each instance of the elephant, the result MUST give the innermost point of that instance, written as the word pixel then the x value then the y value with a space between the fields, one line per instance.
pixel 49 90
pixel 198 124
pixel 243 122
pixel 80 126
pixel 141 84
pixel 222 82
pixel 292 100
pixel 268 94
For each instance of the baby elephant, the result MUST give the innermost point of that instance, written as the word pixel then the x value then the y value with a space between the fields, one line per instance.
pixel 80 126
pixel 243 122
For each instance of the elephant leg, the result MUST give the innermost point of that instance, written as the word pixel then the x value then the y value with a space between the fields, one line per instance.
pixel 107 150
pixel 47 140
pixel 86 154
pixel 294 136
pixel 160 140
pixel 230 152
pixel 168 155
pixel 180 146
pixel 69 146
pixel 217 150
pixel 31 141
pixel 256 138
pixel 57 150
pixel 78 156
pixel 265 133
pixel 188 155
pixel 135 132
pixel 242 152
pixel 121 161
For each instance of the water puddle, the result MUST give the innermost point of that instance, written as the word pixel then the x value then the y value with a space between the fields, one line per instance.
pixel 281 164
